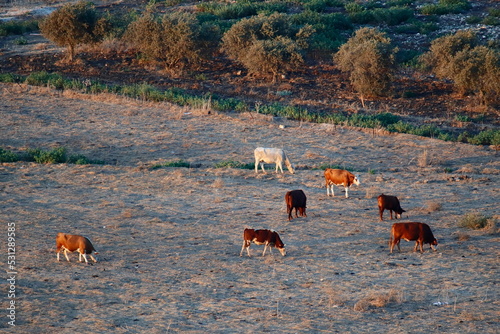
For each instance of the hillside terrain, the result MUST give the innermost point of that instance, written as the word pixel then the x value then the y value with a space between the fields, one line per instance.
pixel 169 238
pixel 418 98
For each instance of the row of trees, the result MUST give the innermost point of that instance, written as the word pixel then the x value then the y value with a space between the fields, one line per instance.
pixel 271 45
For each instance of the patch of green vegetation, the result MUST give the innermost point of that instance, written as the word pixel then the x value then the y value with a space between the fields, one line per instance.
pixel 444 7
pixel 8 156
pixel 54 156
pixel 16 27
pixel 21 41
pixel 234 164
pixel 174 163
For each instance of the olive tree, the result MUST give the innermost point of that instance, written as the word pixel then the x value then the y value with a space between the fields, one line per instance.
pixel 369 58
pixel 473 68
pixel 173 39
pixel 267 45
pixel 74 24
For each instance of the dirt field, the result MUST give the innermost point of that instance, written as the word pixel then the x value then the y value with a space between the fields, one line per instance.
pixel 169 239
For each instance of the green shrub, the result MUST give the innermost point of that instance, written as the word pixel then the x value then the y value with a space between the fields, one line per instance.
pixel 74 24
pixel 16 27
pixel 234 164
pixel 174 163
pixel 173 39
pixel 474 68
pixel 57 155
pixel 474 221
pixel 267 45
pixel 369 59
pixel 486 137
pixel 8 156
pixel 444 7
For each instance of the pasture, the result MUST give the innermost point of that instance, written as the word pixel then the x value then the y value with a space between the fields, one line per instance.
pixel 169 238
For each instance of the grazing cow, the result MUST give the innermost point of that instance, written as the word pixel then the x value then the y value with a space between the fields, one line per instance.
pixel 272 155
pixel 295 199
pixel 420 232
pixel 268 238
pixel 72 243
pixel 339 177
pixel 390 203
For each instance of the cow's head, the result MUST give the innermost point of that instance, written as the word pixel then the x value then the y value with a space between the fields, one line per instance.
pixel 399 213
pixel 291 167
pixel 434 244
pixel 356 180
pixel 282 250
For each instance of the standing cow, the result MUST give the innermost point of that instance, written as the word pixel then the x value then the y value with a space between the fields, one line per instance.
pixel 391 203
pixel 419 232
pixel 72 243
pixel 296 199
pixel 272 155
pixel 339 177
pixel 268 238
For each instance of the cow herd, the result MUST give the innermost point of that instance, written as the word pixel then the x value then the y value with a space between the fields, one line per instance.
pixel 295 200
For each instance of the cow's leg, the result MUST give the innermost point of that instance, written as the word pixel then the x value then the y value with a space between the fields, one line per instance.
pixel 66 253
pixel 391 213
pixel 416 246
pixel 262 166
pixel 93 258
pixel 84 257
pixel 381 212
pixel 346 192
pixel 243 247
pixel 256 166
pixel 398 243
pixel 58 254
pixel 265 247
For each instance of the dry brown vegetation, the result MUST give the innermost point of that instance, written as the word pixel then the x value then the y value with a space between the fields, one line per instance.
pixel 169 238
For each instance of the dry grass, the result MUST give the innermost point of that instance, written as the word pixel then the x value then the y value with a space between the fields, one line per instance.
pixel 378 299
pixel 433 206
pixel 169 238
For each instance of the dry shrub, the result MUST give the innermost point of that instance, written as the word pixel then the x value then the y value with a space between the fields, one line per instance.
pixel 433 206
pixel 218 183
pixel 423 159
pixel 474 221
pixel 463 236
pixel 378 299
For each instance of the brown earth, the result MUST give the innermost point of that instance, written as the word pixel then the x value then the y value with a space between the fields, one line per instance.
pixel 169 238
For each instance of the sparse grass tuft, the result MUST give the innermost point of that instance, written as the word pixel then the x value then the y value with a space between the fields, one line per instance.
pixel 378 299
pixel 433 206
pixel 474 221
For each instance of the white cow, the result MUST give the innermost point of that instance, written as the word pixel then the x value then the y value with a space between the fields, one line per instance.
pixel 272 155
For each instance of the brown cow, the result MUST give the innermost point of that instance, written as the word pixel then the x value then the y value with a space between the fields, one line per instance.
pixel 72 243
pixel 390 203
pixel 295 199
pixel 268 238
pixel 339 177
pixel 420 232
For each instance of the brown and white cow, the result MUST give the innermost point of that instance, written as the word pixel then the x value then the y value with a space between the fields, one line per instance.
pixel 268 238
pixel 419 232
pixel 391 203
pixel 296 199
pixel 72 243
pixel 339 177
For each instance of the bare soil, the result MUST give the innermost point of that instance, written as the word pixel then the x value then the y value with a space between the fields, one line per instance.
pixel 169 239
